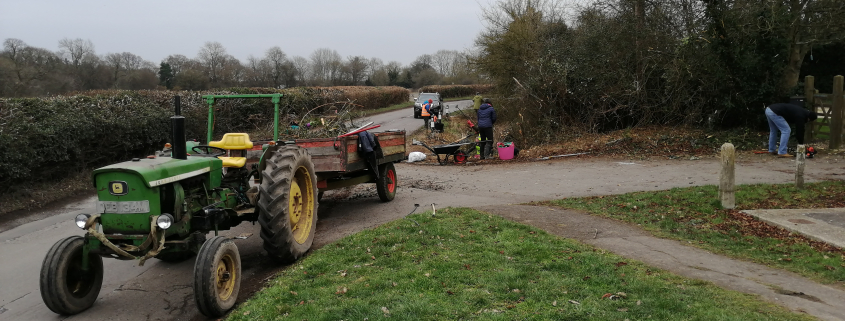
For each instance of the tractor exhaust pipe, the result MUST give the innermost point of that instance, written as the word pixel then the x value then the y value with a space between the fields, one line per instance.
pixel 178 124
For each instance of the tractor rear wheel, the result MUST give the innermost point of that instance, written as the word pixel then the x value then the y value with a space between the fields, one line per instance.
pixel 217 276
pixel 287 203
pixel 386 183
pixel 65 287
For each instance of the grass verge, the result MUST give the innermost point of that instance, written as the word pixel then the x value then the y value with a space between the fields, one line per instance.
pixel 694 215
pixel 464 264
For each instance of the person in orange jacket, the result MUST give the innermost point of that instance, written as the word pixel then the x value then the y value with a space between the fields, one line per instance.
pixel 425 113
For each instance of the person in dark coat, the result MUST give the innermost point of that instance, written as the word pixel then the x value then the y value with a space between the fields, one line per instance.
pixel 782 115
pixel 486 119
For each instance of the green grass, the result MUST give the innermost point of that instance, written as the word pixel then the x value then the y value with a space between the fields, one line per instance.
pixel 694 214
pixel 463 264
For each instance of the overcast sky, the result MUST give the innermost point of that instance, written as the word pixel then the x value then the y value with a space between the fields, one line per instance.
pixel 397 30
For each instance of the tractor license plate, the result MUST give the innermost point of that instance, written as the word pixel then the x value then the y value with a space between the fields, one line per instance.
pixel 125 207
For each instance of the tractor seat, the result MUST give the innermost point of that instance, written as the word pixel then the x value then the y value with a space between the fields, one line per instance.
pixel 233 141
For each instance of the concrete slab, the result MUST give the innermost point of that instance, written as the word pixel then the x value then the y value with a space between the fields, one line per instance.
pixel 821 224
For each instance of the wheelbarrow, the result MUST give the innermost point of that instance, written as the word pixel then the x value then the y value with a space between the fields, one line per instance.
pixel 453 149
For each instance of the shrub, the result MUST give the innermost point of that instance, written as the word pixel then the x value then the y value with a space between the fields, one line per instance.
pixel 452 91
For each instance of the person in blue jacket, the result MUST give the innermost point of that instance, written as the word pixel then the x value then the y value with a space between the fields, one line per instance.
pixel 486 119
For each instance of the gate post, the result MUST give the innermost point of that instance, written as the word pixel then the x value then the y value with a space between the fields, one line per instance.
pixel 726 178
pixel 836 114
pixel 809 102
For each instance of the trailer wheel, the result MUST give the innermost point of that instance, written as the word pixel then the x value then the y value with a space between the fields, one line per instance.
pixel 217 276
pixel 66 288
pixel 288 203
pixel 386 183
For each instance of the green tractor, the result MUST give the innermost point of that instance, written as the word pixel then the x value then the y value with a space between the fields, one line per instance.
pixel 164 206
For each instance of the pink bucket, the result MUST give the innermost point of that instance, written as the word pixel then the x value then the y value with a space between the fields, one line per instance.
pixel 506 152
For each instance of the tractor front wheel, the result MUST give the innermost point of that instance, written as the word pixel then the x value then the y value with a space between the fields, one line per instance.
pixel 287 203
pixel 66 287
pixel 386 183
pixel 217 276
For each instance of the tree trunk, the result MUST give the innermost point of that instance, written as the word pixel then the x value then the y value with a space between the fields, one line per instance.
pixel 793 67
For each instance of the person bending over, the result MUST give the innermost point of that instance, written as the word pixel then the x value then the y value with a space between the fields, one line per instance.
pixel 780 116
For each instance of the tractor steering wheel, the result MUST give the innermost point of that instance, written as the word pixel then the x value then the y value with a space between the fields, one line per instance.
pixel 208 151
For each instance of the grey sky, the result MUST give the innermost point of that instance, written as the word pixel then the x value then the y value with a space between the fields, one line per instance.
pixel 153 29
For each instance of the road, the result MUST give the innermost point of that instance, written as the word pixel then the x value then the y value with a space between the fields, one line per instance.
pixel 155 291
pixel 162 291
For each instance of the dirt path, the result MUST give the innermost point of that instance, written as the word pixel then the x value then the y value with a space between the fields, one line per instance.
pixel 780 287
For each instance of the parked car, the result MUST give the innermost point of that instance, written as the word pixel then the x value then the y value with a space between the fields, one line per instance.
pixel 435 103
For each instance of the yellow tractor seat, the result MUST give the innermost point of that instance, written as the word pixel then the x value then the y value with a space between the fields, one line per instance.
pixel 233 141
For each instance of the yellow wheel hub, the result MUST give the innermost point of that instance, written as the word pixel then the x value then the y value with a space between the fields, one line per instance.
pixel 225 277
pixel 301 205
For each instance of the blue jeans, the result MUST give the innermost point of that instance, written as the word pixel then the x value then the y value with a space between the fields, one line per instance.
pixel 777 123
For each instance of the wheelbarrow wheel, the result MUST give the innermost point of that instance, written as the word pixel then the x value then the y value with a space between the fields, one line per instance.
pixel 460 157
pixel 386 183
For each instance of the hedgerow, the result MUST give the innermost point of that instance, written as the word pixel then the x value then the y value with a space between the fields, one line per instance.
pixel 452 91
pixel 49 138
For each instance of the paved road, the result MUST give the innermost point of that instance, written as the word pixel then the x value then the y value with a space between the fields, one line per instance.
pixel 162 291
pixel 157 291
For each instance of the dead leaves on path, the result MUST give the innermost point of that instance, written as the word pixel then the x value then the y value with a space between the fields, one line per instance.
pixel 748 225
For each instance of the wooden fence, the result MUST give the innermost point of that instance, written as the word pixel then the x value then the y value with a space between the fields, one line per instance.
pixel 831 110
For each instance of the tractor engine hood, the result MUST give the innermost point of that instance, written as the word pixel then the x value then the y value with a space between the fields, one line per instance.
pixel 164 170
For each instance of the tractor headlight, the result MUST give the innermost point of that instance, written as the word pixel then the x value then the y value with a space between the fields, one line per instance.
pixel 81 219
pixel 164 221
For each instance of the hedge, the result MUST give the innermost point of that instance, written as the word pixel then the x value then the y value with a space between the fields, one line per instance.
pixel 49 138
pixel 453 91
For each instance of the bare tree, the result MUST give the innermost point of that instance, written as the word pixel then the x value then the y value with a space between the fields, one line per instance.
pixel 259 72
pixel 76 50
pixel 177 63
pixel 82 59
pixel 30 68
pixel 357 67
pixel 325 66
pixel 278 64
pixel 302 69
pixel 124 65
pixel 213 57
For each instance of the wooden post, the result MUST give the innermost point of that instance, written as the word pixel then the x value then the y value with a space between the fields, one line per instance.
pixel 726 178
pixel 800 156
pixel 836 114
pixel 811 131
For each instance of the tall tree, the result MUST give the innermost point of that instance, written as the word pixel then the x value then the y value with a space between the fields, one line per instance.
pixel 165 75
pixel 325 66
pixel 213 58
pixel 82 59
pixel 357 67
